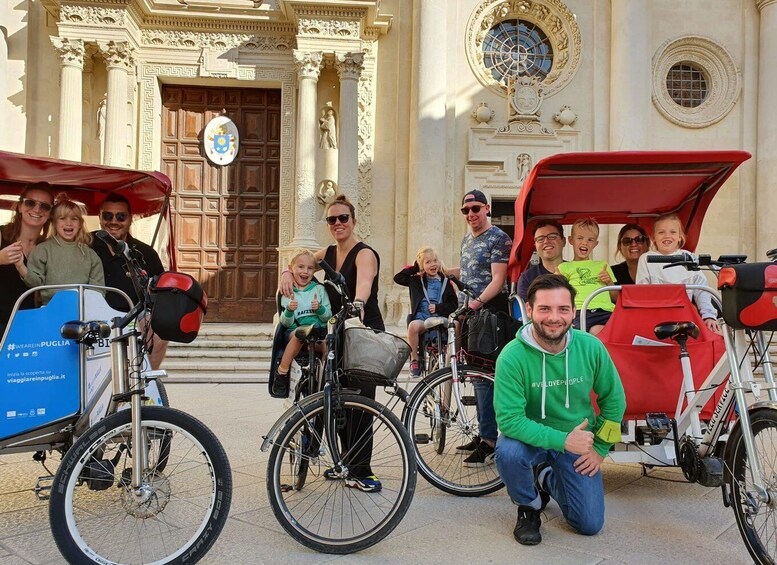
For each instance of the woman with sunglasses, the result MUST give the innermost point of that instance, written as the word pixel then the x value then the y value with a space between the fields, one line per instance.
pixel 633 242
pixel 359 264
pixel 28 227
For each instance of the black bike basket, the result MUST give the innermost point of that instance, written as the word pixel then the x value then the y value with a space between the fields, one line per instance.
pixel 179 304
pixel 749 296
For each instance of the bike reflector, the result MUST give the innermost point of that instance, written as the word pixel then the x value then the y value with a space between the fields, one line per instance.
pixel 750 296
pixel 179 304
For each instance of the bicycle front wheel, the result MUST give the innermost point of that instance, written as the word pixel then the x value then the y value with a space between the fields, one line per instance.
pixel 175 516
pixel 756 519
pixel 332 515
pixel 440 426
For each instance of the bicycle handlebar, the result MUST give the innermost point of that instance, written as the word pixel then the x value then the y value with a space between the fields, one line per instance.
pixel 335 276
pixel 681 258
pixel 465 288
pixel 118 247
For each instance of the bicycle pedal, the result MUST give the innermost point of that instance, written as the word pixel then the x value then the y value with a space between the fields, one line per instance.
pixel 43 491
pixel 469 400
pixel 422 439
pixel 658 422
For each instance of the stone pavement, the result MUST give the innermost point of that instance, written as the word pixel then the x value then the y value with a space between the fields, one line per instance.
pixel 656 519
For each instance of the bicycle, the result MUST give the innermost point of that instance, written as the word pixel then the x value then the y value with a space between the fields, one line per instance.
pixel 432 351
pixel 734 445
pixel 315 444
pixel 441 417
pixel 143 485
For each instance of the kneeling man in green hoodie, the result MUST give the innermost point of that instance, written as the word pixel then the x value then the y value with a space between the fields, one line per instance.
pixel 551 442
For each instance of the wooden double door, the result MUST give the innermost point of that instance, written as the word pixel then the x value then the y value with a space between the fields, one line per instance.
pixel 226 217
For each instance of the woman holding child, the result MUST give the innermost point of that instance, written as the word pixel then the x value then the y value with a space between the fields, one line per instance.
pixel 28 227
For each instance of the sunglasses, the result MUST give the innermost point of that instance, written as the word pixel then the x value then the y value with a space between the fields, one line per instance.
pixel 550 237
pixel 474 209
pixel 30 203
pixel 342 218
pixel 108 216
pixel 639 240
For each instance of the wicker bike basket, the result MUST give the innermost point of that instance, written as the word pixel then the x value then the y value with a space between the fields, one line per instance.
pixel 373 357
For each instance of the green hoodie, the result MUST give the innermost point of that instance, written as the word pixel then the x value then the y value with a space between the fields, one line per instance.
pixel 539 397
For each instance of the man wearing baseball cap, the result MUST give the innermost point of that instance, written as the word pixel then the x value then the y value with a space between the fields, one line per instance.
pixel 485 251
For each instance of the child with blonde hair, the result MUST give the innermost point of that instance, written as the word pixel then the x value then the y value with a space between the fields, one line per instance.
pixel 308 306
pixel 668 239
pixel 431 294
pixel 587 275
pixel 65 257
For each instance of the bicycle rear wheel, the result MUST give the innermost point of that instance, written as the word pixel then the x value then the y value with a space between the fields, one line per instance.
pixel 325 514
pixel 438 425
pixel 756 519
pixel 177 514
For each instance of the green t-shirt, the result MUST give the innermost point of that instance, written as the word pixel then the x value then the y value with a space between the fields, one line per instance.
pixel 584 277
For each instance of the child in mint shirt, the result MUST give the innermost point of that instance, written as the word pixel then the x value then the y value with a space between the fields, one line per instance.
pixel 308 307
pixel 587 275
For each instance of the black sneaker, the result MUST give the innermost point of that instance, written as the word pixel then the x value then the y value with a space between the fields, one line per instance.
pixel 481 457
pixel 471 446
pixel 527 528
pixel 544 495
pixel 280 385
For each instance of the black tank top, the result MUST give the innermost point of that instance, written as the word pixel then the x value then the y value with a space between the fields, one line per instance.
pixel 372 315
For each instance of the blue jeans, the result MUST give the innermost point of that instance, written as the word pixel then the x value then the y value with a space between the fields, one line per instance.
pixel 580 497
pixel 484 395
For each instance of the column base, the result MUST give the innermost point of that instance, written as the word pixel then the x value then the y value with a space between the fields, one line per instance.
pixel 304 242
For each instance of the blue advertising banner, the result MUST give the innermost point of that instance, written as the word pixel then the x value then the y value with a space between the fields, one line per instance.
pixel 39 370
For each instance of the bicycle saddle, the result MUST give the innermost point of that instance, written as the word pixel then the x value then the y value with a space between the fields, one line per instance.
pixel 674 330
pixel 302 333
pixel 435 322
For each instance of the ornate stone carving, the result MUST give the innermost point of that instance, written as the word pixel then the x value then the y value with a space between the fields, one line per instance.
pixel 70 51
pixel 326 193
pixel 93 15
pixel 349 65
pixel 308 63
pixel 552 16
pixel 565 116
pixel 483 114
pixel 217 63
pixel 524 166
pixel 328 126
pixel 328 28
pixel 724 80
pixel 194 39
pixel 366 146
pixel 526 95
pixel 117 54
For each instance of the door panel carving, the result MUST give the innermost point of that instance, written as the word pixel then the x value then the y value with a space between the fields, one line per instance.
pixel 226 218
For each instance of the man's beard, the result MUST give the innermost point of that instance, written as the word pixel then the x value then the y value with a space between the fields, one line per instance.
pixel 539 332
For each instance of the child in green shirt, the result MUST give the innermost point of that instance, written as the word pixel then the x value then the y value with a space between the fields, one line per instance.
pixel 587 275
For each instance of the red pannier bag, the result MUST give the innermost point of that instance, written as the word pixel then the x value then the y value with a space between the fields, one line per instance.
pixel 748 293
pixel 179 304
pixel 651 374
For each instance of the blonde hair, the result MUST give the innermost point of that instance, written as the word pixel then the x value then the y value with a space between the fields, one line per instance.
pixel 668 217
pixel 63 207
pixel 297 253
pixel 423 252
pixel 586 223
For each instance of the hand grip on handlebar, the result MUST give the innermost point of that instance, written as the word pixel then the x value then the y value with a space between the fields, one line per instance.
pixel 462 286
pixel 118 247
pixel 680 258
pixel 333 275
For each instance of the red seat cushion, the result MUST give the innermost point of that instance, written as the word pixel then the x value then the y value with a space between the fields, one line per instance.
pixel 652 375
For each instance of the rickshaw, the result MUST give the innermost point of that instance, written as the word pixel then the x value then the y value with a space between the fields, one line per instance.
pixel 138 481
pixel 693 399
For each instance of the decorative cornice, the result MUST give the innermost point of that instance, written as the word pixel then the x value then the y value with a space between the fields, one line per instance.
pixel 308 63
pixel 117 54
pixel 199 40
pixel 70 51
pixel 92 15
pixel 329 28
pixel 761 4
pixel 349 65
pixel 202 23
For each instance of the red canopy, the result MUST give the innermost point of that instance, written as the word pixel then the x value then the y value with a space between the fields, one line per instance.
pixel 618 188
pixel 89 184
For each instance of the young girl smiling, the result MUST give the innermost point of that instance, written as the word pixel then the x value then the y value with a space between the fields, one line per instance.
pixel 669 238
pixel 64 258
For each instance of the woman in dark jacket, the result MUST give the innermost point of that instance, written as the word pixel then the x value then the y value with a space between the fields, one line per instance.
pixel 431 294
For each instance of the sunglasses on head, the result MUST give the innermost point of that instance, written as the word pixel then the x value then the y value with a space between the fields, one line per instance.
pixel 31 203
pixel 108 216
pixel 342 218
pixel 474 209
pixel 639 240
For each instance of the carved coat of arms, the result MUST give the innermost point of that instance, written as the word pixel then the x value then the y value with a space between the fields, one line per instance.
pixel 221 141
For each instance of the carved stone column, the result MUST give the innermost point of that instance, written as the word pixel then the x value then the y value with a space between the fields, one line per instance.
pixel 349 67
pixel 308 69
pixel 428 186
pixel 71 56
pixel 119 60
pixel 766 160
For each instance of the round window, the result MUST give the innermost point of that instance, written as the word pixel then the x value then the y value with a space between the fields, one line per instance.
pixel 686 85
pixel 514 48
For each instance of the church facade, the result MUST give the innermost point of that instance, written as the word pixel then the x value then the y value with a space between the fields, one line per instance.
pixel 262 111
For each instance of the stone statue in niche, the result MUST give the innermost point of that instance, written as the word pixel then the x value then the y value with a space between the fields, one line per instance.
pixel 524 166
pixel 328 127
pixel 101 113
pixel 327 192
